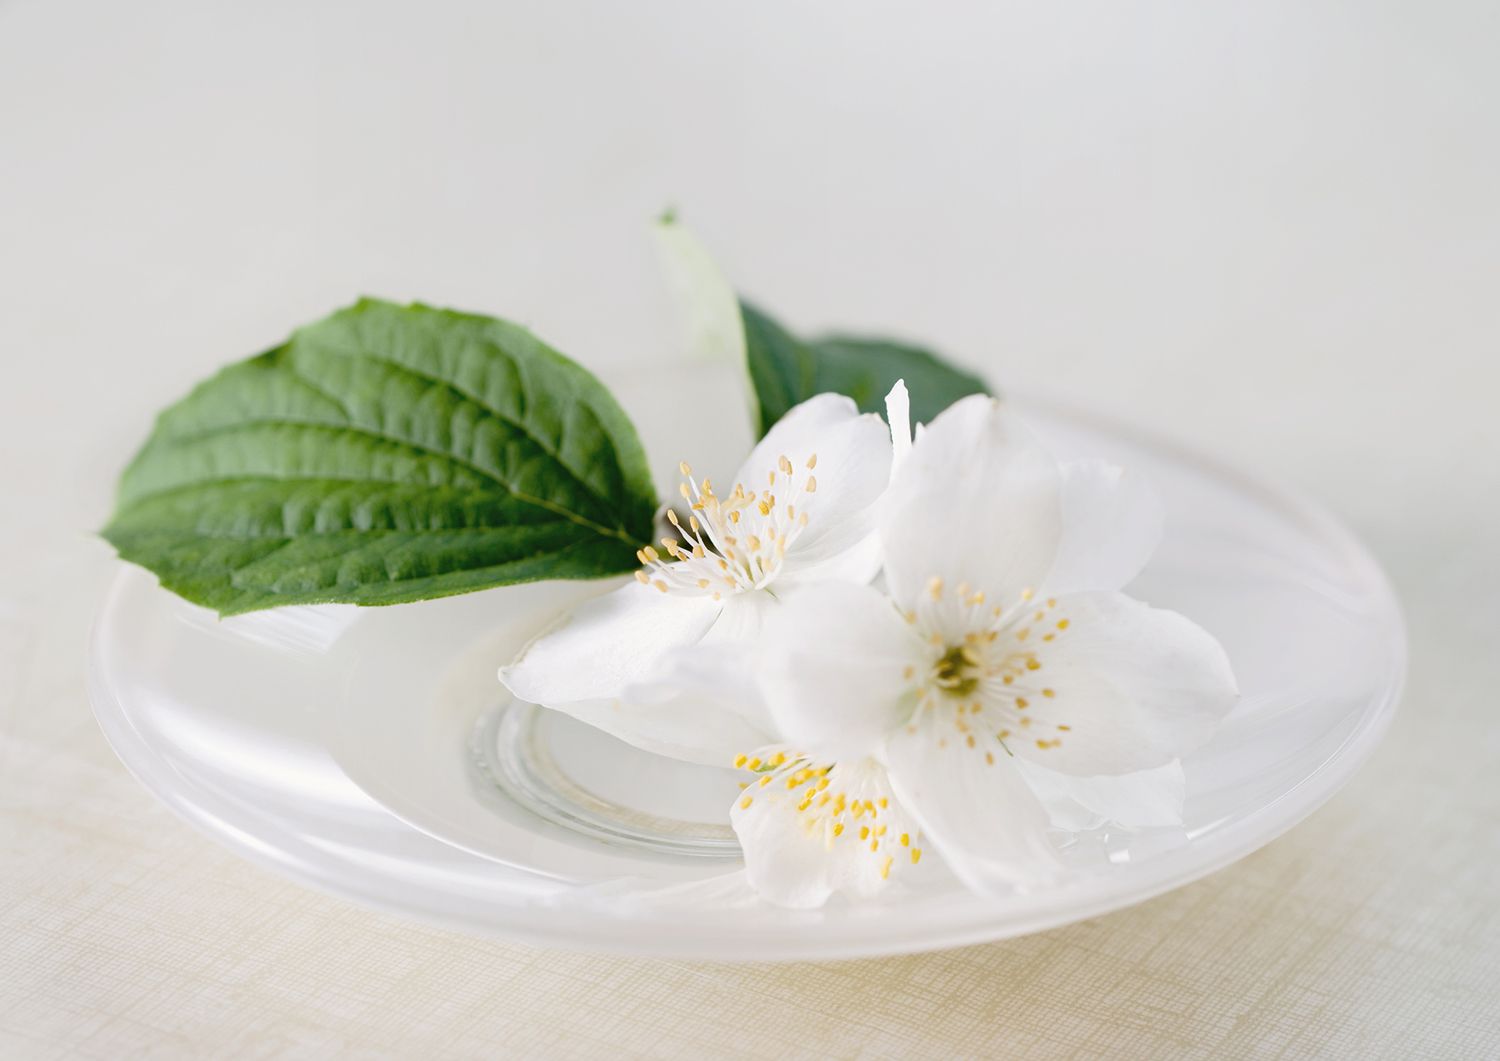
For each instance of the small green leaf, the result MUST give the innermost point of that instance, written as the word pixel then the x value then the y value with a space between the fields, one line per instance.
pixel 386 454
pixel 785 370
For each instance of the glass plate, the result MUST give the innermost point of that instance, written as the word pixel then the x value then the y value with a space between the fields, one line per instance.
pixel 360 751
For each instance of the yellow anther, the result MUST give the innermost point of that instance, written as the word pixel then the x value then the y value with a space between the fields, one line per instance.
pixel 916 855
pixel 1062 624
pixel 1032 664
pixel 744 803
pixel 1049 693
pixel 906 839
pixel 812 484
pixel 1022 703
pixel 651 554
pixel 812 462
pixel 864 832
pixel 884 803
pixel 838 829
pixel 784 464
pixel 765 781
pixel 741 760
pixel 989 757
pixel 935 587
pixel 822 783
pixel 682 488
pixel 969 740
pixel 684 468
pixel 885 868
pixel 874 846
pixel 755 764
pixel 642 578
pixel 659 584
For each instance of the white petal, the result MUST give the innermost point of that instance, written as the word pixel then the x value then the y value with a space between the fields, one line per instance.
pixel 973 805
pixel 702 706
pixel 606 644
pixel 1111 524
pixel 797 435
pixel 1135 686
pixel 976 502
pixel 696 701
pixel 857 562
pixel 852 470
pixel 833 669
pixel 1144 799
pixel 798 852
pixel 898 416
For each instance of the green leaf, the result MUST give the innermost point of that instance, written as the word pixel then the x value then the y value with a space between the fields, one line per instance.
pixel 785 370
pixel 386 454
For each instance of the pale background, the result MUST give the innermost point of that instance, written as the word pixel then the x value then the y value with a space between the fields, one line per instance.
pixel 1269 229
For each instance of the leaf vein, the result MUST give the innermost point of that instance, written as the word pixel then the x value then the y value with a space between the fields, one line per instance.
pixel 361 429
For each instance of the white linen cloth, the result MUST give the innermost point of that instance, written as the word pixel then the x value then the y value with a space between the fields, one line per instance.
pixel 1269 230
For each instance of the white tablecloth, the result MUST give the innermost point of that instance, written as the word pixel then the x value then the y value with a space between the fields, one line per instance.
pixel 1270 230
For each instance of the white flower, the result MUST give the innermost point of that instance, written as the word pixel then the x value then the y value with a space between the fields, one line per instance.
pixel 801 509
pixel 999 657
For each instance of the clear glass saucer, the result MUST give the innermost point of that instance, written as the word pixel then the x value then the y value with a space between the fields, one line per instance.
pixel 514 748
pixel 372 754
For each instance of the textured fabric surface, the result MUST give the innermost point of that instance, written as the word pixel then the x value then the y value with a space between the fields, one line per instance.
pixel 1272 234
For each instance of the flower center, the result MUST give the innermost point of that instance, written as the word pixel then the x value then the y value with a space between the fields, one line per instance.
pixel 733 543
pixel 844 806
pixel 984 671
pixel 958 671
